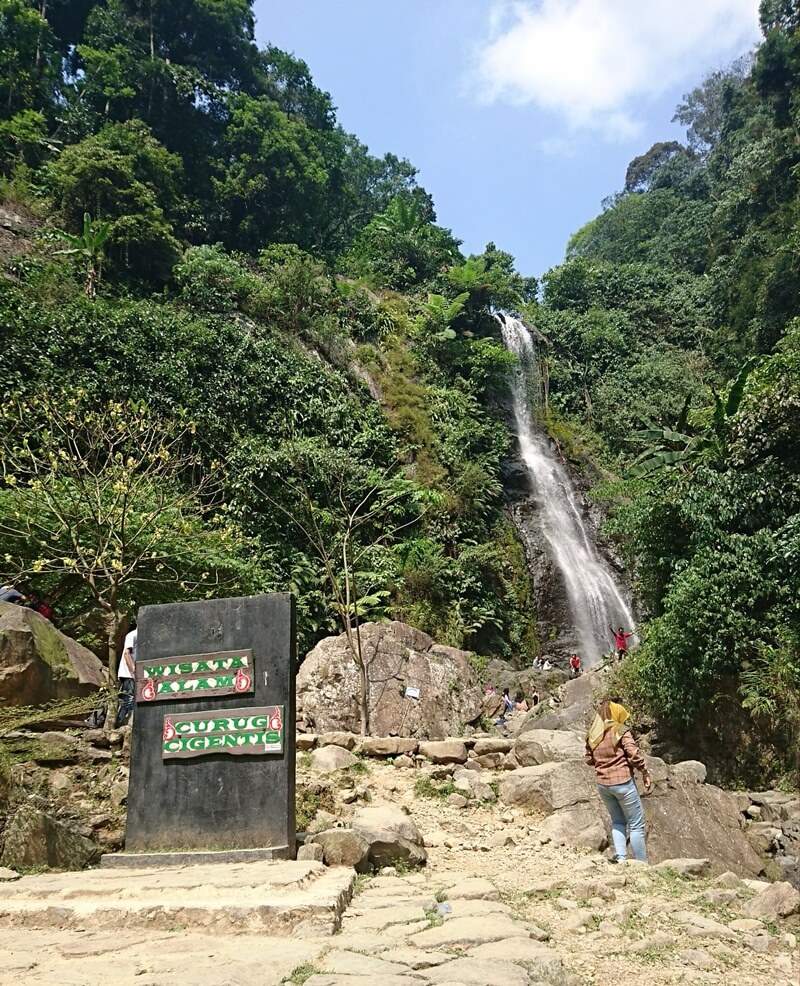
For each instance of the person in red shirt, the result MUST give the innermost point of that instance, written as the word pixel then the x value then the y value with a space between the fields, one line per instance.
pixel 621 640
pixel 575 665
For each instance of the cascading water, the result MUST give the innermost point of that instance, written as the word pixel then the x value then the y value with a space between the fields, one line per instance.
pixel 595 600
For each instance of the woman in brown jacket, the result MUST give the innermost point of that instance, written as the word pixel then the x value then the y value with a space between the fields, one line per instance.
pixel 611 750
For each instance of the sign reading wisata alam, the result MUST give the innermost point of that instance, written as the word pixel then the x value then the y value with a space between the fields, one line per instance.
pixel 235 731
pixel 195 675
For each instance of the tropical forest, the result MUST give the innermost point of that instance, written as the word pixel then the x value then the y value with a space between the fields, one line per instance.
pixel 241 355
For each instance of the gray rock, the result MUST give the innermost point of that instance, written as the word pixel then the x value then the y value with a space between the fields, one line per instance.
pixel 476 971
pixel 780 900
pixel 34 838
pixel 582 826
pixel 119 793
pixel 403 761
pixel 494 744
pixel 538 746
pixel 354 964
pixel 305 742
pixel 387 746
pixel 343 847
pixel 698 821
pixel 491 761
pixel 322 821
pixel 473 888
pixel 542 962
pixel 764 836
pixel 701 926
pixel 311 851
pixel 347 741
pixel 38 663
pixel 550 787
pixel 7 875
pixel 390 834
pixel 327 759
pixel 444 751
pixel 689 770
pixel 397 656
pixel 686 867
pixel 457 801
pixel 469 931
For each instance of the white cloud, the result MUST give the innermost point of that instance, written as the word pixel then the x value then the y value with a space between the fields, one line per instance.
pixel 591 61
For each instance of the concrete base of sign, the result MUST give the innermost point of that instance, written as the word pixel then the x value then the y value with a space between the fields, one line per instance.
pixel 283 899
pixel 119 860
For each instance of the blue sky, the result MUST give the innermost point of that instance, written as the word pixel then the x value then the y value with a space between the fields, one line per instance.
pixel 521 115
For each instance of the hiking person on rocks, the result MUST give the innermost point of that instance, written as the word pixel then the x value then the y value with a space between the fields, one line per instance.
pixel 126 675
pixel 611 750
pixel 621 641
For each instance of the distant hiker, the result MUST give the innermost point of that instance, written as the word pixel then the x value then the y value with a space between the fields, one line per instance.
pixel 42 607
pixel 537 663
pixel 611 750
pixel 508 705
pixel 621 640
pixel 547 666
pixel 535 699
pixel 520 705
pixel 490 690
pixel 575 665
pixel 8 594
pixel 126 674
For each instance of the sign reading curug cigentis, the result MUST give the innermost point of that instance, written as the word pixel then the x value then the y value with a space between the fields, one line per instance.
pixel 195 675
pixel 236 731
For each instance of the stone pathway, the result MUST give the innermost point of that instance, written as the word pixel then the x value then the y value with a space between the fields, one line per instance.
pixel 301 899
pixel 436 927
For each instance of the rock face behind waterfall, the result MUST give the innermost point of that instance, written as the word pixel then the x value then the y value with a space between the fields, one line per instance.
pixel 39 663
pixel 578 592
pixel 398 657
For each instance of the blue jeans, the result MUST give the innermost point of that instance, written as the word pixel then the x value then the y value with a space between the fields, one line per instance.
pixel 625 808
pixel 125 707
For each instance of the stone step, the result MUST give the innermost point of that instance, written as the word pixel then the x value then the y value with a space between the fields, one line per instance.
pixel 283 899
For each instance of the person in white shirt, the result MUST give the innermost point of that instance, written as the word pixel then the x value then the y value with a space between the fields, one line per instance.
pixel 126 674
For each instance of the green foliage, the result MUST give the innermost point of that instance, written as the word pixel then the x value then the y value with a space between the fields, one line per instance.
pixel 123 176
pixel 690 278
pixel 424 787
pixel 217 173
pixel 402 247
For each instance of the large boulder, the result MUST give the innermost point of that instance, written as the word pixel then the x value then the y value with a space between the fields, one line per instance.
pixel 581 826
pixel 574 705
pixel 416 688
pixel 538 746
pixel 781 900
pixel 391 834
pixel 38 663
pixel 685 819
pixel 343 847
pixel 34 838
pixel 550 787
pixel 688 819
pixel 327 759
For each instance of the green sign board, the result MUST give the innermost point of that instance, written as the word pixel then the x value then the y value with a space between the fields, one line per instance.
pixel 239 732
pixel 196 675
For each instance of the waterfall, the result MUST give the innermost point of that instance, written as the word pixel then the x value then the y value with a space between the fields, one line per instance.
pixel 594 598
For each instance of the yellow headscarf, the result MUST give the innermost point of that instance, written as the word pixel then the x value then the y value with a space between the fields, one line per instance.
pixel 599 727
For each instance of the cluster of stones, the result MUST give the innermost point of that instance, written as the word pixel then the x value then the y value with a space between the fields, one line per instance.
pixel 458 930
pixel 773 827
pixel 60 826
pixel 542 771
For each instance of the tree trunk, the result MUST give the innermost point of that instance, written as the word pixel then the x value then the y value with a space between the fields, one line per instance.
pixel 114 621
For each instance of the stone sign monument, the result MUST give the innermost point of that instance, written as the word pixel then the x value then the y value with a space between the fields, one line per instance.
pixel 212 753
